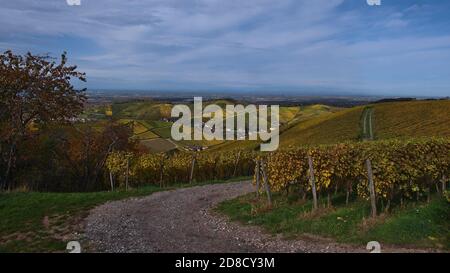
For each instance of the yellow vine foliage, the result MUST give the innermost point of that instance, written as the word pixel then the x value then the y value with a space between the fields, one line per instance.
pixel 401 169
pixel 176 168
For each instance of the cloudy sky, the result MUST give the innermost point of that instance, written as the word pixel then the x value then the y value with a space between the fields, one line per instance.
pixel 306 46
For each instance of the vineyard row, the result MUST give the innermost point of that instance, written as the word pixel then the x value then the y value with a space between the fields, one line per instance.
pixel 400 169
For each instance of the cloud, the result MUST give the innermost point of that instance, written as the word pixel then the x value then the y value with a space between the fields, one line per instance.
pixel 252 44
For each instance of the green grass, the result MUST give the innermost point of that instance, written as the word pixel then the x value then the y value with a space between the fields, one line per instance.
pixel 22 214
pixel 417 225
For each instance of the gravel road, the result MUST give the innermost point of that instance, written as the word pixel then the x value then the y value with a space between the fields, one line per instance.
pixel 182 221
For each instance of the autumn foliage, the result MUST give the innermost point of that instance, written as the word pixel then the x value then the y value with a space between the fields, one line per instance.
pixel 402 169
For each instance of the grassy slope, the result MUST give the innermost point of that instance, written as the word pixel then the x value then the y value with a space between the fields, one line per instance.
pixel 418 225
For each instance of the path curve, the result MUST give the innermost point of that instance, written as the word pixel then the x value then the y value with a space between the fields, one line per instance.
pixel 182 221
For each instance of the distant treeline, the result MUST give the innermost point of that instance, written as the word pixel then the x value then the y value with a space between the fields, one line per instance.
pixel 395 100
pixel 406 99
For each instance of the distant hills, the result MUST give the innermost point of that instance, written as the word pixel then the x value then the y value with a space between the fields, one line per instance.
pixel 300 125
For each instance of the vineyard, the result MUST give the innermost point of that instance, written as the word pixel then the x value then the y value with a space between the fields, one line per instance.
pixel 181 167
pixel 415 119
pixel 401 170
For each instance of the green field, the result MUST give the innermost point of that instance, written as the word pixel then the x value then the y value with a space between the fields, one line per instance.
pixel 158 145
pixel 145 135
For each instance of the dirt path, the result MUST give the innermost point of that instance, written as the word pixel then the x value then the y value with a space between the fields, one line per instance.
pixel 368 124
pixel 181 221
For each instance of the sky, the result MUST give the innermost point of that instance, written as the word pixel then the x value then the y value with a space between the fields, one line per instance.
pixel 400 48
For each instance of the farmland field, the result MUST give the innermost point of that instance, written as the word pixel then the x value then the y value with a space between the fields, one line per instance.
pixel 158 145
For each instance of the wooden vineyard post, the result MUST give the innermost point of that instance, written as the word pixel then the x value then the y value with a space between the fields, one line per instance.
pixel 257 172
pixel 313 182
pixel 191 176
pixel 161 173
pixel 111 180
pixel 266 182
pixel 371 188
pixel 126 176
pixel 236 163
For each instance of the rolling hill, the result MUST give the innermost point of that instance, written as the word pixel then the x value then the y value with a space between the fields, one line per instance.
pixel 304 125
pixel 391 120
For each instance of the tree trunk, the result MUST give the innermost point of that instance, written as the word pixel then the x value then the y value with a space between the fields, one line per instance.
pixel 347 195
pixel 313 182
pixel 329 200
pixel 443 180
pixel 12 155
pixel 87 156
pixel 388 205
